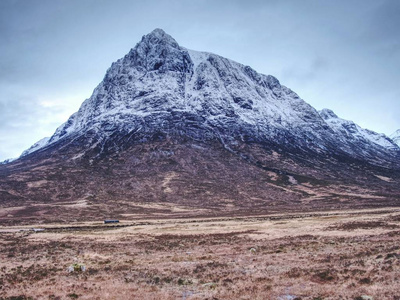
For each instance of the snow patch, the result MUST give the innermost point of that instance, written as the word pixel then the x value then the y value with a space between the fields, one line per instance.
pixel 292 180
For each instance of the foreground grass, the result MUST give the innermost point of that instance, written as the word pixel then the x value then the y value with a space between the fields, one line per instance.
pixel 337 257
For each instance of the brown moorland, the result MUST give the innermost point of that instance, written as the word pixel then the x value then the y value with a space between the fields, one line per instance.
pixel 335 255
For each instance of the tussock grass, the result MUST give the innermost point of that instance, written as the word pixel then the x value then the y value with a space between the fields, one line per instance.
pixel 344 257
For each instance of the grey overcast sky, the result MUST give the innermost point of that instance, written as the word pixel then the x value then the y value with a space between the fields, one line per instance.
pixel 343 54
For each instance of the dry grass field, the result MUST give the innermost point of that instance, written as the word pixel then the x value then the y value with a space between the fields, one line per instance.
pixel 342 255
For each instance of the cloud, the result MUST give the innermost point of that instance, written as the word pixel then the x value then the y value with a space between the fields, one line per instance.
pixel 305 74
pixel 384 22
pixel 25 119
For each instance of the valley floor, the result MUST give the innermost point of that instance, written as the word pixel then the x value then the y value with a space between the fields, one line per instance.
pixel 341 255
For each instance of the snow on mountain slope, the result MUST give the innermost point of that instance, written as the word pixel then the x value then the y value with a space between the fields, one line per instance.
pixel 395 136
pixel 160 86
pixel 36 146
pixel 349 130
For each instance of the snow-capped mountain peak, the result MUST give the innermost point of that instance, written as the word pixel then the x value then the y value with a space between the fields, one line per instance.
pixel 159 36
pixel 161 87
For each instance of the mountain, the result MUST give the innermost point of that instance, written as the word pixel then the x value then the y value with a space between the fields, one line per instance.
pixel 175 132
pixel 395 136
pixel 159 85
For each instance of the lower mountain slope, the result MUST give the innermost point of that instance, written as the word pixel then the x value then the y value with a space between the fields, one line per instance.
pixel 176 176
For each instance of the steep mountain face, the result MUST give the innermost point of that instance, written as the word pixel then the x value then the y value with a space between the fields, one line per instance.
pixel 162 87
pixel 196 130
pixel 355 138
pixel 395 136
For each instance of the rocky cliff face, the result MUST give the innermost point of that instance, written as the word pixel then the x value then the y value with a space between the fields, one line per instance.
pixel 171 131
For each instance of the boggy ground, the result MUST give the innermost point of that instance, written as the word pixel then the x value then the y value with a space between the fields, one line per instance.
pixel 344 255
